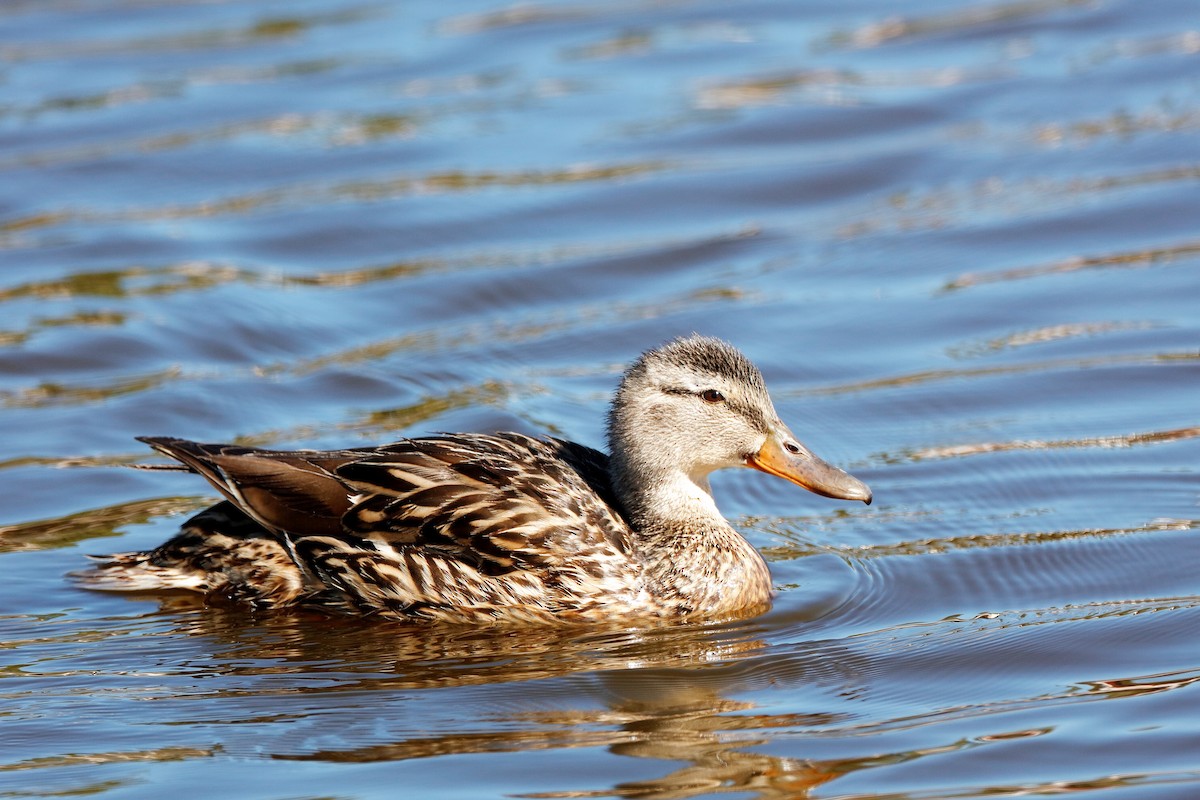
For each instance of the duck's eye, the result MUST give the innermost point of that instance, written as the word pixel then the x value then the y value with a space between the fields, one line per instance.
pixel 712 396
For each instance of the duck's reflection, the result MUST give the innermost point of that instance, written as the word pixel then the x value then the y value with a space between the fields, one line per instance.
pixel 670 712
pixel 666 714
pixel 659 694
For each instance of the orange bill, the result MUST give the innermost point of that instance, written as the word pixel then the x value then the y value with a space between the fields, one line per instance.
pixel 782 455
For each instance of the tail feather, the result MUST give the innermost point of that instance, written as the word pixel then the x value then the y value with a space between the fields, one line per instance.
pixel 220 552
pixel 280 490
pixel 137 572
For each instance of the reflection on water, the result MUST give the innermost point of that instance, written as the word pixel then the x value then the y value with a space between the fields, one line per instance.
pixel 958 236
pixel 678 699
pixel 91 524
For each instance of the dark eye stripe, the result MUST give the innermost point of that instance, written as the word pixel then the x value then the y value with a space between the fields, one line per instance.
pixel 708 395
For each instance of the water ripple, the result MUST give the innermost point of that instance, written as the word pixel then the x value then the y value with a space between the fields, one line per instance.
pixel 901 29
pixel 91 524
pixel 265 29
pixel 950 374
pixel 1123 440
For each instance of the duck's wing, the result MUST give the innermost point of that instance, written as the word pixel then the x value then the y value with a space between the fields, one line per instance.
pixel 477 527
pixel 295 491
pixel 500 502
pixel 436 525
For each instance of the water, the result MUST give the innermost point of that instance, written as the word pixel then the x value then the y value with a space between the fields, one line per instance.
pixel 960 238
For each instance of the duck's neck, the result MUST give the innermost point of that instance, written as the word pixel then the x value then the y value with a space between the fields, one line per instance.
pixel 695 562
pixel 670 497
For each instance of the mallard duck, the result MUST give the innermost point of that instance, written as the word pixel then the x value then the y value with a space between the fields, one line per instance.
pixel 475 527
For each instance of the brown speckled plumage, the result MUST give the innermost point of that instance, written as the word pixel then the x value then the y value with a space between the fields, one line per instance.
pixel 475 527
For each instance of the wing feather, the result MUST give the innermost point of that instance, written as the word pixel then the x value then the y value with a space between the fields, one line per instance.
pixel 437 525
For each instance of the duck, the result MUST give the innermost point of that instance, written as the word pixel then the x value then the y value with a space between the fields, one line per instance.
pixel 485 527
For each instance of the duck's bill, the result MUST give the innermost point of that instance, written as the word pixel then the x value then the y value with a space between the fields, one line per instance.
pixel 783 456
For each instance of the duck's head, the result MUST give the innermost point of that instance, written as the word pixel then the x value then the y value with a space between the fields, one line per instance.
pixel 696 405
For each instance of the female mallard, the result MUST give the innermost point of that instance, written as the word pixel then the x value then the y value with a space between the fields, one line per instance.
pixel 474 527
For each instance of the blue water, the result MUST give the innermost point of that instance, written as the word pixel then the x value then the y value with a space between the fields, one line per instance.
pixel 959 238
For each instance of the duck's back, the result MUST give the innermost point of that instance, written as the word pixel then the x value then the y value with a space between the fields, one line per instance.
pixel 464 527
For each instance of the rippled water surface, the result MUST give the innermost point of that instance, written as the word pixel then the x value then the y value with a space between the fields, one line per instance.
pixel 960 237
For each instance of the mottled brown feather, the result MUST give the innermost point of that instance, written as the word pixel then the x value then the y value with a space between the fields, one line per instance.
pixel 443 526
